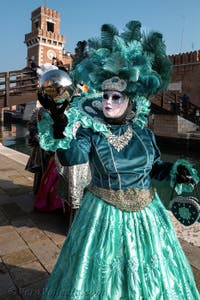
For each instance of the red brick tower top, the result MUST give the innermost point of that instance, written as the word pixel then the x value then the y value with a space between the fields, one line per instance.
pixel 45 40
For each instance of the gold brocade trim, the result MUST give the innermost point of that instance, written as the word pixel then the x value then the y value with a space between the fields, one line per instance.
pixel 129 200
pixel 119 142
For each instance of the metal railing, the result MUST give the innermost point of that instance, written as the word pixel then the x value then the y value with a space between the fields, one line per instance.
pixel 170 102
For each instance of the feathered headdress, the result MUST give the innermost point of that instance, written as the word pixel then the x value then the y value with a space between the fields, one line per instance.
pixel 139 59
pixel 130 62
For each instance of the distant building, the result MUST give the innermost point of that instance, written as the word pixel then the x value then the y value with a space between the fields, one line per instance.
pixel 45 40
pixel 186 74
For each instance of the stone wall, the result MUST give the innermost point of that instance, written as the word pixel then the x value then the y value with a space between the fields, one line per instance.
pixel 171 126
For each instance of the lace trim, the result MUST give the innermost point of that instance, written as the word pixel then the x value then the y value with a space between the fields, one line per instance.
pixel 130 200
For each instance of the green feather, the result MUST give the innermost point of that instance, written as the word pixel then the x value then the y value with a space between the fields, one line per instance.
pixel 155 46
pixel 115 63
pixel 153 43
pixel 97 77
pixel 100 56
pixel 134 49
pixel 119 45
pixel 134 74
pixel 138 58
pixel 94 44
pixel 108 31
pixel 132 31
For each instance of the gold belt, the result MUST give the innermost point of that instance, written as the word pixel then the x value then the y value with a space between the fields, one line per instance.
pixel 129 200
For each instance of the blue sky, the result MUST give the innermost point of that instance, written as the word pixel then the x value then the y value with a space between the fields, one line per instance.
pixel 177 20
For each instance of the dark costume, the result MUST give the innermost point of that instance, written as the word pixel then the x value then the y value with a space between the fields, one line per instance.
pixel 39 158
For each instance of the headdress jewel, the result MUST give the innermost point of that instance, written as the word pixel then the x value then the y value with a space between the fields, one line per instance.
pixel 114 84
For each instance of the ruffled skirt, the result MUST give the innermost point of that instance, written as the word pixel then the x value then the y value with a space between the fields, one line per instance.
pixel 110 254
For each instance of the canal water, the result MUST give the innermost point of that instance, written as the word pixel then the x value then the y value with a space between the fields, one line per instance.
pixel 15 136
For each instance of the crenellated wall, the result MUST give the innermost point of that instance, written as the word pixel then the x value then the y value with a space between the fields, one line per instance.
pixel 187 71
pixel 185 58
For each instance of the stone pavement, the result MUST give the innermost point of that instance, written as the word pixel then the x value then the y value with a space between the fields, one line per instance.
pixel 30 241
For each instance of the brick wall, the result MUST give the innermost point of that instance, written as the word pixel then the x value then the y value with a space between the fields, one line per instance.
pixel 187 70
pixel 44 36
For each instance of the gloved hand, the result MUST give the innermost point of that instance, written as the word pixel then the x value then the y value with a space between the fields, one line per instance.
pixel 57 113
pixel 60 122
pixel 45 100
pixel 183 175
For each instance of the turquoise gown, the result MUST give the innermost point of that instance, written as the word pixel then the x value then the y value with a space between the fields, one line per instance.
pixel 114 254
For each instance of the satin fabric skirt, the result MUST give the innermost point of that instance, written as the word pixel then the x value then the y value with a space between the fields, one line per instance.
pixel 113 255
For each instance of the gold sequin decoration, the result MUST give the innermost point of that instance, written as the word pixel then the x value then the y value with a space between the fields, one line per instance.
pixel 129 200
pixel 119 142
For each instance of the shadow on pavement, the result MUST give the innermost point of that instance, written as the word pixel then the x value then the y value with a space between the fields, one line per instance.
pixel 22 282
pixel 16 203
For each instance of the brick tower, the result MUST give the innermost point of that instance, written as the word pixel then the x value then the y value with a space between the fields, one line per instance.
pixel 45 40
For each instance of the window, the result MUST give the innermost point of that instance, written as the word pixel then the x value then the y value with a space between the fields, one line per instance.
pixel 36 24
pixel 50 26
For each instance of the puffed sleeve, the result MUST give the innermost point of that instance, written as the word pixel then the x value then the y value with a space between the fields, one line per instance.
pixel 79 149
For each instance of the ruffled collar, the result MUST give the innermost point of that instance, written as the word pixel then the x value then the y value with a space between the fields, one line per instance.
pixel 87 112
pixel 87 109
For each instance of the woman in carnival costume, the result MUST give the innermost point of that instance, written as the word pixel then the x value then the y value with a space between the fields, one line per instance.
pixel 122 244
pixel 60 186
pixel 39 159
pixel 41 162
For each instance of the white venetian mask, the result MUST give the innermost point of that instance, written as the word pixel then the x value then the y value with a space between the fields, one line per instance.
pixel 114 104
